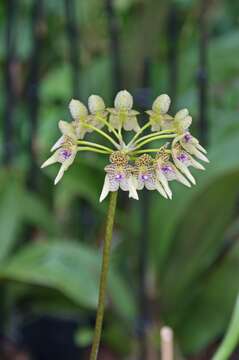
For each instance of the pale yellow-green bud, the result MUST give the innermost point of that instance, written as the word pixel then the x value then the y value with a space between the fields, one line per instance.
pixel 181 114
pixel 96 103
pixel 77 109
pixel 161 104
pixel 123 100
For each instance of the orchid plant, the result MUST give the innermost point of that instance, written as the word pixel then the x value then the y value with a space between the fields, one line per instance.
pixel 133 165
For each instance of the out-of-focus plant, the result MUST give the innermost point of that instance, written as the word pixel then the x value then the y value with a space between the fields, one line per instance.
pixel 144 170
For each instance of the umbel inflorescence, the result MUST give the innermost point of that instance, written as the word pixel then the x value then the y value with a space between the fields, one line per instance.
pixel 137 163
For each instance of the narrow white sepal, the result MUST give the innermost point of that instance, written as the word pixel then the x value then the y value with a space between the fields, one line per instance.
pixel 58 143
pixel 59 175
pixel 163 180
pixel 132 190
pixel 106 189
pixel 53 159
pixel 160 189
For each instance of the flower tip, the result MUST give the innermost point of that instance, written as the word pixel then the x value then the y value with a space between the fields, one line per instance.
pixel 96 103
pixel 123 100
pixel 161 104
pixel 77 109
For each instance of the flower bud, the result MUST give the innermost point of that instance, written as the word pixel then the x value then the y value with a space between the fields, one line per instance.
pixel 96 103
pixel 77 109
pixel 123 100
pixel 181 114
pixel 161 104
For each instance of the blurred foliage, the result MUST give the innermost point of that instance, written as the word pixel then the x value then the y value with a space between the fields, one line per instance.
pixel 194 254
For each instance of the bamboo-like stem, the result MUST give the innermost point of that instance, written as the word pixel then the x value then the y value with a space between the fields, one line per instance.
pixel 103 276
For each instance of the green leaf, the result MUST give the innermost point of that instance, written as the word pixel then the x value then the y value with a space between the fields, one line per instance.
pixel 68 267
pixel 231 338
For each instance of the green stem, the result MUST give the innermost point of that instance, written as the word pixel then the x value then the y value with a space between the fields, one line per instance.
pixel 138 133
pixel 153 139
pixel 87 148
pixel 144 151
pixel 110 127
pixel 103 275
pixel 90 143
pixel 154 134
pixel 102 133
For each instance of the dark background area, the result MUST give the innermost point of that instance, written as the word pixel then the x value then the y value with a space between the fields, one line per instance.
pixel 173 262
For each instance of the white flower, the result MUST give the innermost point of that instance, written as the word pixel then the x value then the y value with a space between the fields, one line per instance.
pixel 98 111
pixel 192 146
pixel 78 110
pixel 182 121
pixel 159 117
pixel 183 160
pixel 122 115
pixel 118 175
pixel 66 149
pixel 145 175
pixel 166 171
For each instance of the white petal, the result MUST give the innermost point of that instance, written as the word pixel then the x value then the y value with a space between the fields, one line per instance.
pixel 106 189
pixel 196 164
pixel 96 103
pixel 58 144
pixel 131 124
pixel 163 180
pixel 67 129
pixel 77 109
pixel 160 189
pixel 181 178
pixel 181 114
pixel 184 170
pixel 201 148
pixel 186 122
pixel 114 121
pixel 123 100
pixel 132 189
pixel 161 104
pixel 52 159
pixel 59 175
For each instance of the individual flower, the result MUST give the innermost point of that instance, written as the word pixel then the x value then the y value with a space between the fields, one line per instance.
pixel 79 114
pixel 166 171
pixel 98 111
pixel 192 146
pixel 122 115
pixel 182 121
pixel 145 175
pixel 66 150
pixel 158 116
pixel 183 160
pixel 118 175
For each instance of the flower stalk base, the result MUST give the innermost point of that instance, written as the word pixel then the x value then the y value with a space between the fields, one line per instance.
pixel 104 274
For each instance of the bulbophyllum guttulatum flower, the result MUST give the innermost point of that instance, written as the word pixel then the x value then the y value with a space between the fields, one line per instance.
pixel 122 115
pixel 133 165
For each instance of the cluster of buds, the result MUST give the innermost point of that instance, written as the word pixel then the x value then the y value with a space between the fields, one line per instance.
pixel 131 166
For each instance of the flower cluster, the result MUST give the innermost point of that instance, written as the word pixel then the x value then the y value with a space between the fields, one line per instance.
pixel 131 166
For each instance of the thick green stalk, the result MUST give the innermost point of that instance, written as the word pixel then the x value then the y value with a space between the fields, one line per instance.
pixel 103 275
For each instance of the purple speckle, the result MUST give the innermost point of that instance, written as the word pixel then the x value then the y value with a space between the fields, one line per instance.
pixel 118 177
pixel 65 154
pixel 182 157
pixel 187 137
pixel 166 169
pixel 145 177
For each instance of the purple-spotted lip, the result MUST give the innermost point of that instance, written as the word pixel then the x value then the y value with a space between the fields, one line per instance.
pixel 65 154
pixel 182 157
pixel 119 177
pixel 166 169
pixel 187 137
pixel 145 177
